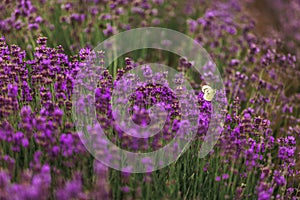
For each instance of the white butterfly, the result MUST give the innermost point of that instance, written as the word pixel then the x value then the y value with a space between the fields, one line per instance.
pixel 209 92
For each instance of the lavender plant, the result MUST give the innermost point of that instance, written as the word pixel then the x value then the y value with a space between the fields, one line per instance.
pixel 45 44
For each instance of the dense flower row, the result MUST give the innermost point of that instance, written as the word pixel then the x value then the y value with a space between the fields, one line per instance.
pixel 42 156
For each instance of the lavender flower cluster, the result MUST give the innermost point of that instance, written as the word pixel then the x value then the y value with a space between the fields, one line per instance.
pixel 45 44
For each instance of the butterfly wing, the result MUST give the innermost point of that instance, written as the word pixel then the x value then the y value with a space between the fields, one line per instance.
pixel 209 92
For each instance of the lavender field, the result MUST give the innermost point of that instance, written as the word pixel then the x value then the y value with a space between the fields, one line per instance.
pixel 50 147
